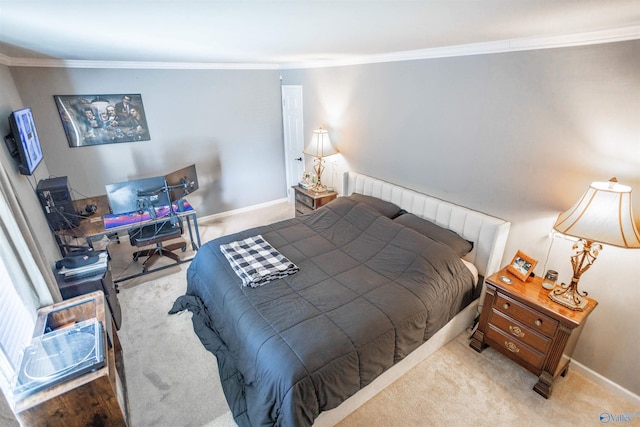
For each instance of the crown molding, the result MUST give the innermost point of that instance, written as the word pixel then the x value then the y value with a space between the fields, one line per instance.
pixel 5 60
pixel 65 63
pixel 501 46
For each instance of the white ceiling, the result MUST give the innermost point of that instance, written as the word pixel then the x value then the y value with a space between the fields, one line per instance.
pixel 285 32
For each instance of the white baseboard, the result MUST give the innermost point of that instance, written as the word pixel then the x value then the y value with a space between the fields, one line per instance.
pixel 241 210
pixel 606 383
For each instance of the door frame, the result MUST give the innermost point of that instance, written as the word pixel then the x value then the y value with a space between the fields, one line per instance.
pixel 293 139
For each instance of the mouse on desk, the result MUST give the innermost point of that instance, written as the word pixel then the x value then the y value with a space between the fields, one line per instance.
pixel 88 211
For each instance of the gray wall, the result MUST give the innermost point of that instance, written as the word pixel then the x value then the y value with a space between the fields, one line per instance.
pixel 518 135
pixel 226 122
pixel 24 186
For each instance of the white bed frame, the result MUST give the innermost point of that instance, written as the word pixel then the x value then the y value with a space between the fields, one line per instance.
pixel 489 236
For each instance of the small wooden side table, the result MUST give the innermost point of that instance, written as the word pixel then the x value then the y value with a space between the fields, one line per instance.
pixel 98 397
pixel 308 201
pixel 519 320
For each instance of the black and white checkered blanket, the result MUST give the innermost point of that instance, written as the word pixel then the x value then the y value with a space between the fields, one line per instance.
pixel 256 262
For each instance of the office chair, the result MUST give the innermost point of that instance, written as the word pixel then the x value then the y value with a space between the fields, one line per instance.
pixel 156 234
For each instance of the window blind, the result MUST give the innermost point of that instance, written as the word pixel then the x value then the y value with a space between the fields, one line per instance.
pixel 16 326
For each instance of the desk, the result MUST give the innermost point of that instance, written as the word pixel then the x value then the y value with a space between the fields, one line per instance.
pixel 93 227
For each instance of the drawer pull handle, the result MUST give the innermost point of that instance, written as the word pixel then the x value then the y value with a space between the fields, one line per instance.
pixel 516 331
pixel 505 306
pixel 538 322
pixel 511 347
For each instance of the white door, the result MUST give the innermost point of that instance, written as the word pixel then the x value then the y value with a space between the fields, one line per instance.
pixel 293 131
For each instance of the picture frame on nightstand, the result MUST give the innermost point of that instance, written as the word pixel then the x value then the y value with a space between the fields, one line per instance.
pixel 522 266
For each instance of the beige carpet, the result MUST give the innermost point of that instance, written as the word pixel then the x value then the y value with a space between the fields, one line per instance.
pixel 457 386
pixel 173 380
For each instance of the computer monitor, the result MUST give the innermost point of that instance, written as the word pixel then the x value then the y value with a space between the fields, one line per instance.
pixel 182 182
pixel 137 195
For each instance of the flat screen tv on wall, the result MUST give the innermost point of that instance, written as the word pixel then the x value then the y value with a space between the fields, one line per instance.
pixel 23 142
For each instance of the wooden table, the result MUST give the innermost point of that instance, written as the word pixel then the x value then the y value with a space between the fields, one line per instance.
pixel 308 201
pixel 519 320
pixel 98 397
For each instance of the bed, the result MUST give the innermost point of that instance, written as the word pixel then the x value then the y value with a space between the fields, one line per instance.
pixel 375 288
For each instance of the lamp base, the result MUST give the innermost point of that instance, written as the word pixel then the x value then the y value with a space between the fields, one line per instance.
pixel 567 297
pixel 319 188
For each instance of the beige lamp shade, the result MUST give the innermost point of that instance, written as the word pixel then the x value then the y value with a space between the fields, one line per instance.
pixel 320 145
pixel 603 214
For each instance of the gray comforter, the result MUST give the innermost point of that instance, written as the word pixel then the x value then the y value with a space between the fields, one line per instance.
pixel 369 291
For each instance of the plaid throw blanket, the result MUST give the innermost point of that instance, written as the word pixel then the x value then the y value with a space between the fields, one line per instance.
pixel 256 262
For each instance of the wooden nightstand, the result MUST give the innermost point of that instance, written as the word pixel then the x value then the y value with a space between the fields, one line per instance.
pixel 521 322
pixel 308 201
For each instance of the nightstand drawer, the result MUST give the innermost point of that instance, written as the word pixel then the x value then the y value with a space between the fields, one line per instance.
pixel 513 328
pixel 308 201
pixel 516 347
pixel 529 317
pixel 303 198
pixel 303 209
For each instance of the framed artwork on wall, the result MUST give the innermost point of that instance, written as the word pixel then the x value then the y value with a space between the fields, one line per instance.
pixel 102 119
pixel 522 266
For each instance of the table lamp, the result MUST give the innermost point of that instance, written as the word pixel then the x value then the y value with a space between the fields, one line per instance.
pixel 319 147
pixel 602 215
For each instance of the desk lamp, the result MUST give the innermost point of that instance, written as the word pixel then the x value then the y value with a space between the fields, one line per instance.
pixel 602 215
pixel 319 147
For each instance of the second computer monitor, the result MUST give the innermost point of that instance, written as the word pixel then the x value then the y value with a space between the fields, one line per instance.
pixel 137 195
pixel 182 182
